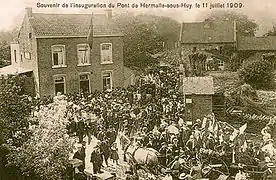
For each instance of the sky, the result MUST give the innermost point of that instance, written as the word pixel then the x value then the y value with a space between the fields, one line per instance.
pixel 264 14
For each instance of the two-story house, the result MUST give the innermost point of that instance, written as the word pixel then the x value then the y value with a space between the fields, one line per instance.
pixel 57 49
pixel 208 35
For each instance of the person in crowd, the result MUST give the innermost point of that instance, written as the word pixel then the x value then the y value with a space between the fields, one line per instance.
pixel 80 154
pixel 96 159
pixel 241 175
pixel 105 149
pixel 114 153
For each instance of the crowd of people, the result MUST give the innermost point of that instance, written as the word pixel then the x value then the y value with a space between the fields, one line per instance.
pixel 151 114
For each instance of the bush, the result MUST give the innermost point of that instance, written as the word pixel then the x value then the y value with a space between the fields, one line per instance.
pixel 257 73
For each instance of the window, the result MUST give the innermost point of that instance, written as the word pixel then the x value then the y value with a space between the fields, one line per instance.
pixel 30 35
pixel 84 83
pixel 107 80
pixel 58 56
pixel 59 82
pixel 220 49
pixel 220 63
pixel 21 57
pixel 14 53
pixel 27 55
pixel 83 54
pixel 106 53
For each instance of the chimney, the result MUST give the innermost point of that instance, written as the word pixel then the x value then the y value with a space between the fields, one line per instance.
pixel 29 11
pixel 108 13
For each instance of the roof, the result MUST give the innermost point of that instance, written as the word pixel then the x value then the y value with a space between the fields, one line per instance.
pixel 12 70
pixel 267 43
pixel 56 25
pixel 208 32
pixel 198 85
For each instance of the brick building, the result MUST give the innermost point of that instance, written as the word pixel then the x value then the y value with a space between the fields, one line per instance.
pixel 63 58
pixel 208 35
pixel 198 95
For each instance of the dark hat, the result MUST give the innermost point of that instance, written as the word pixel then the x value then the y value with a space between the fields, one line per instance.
pixel 127 172
pixel 168 170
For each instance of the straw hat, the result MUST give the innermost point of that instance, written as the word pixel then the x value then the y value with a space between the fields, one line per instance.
pixel 270 165
pixel 182 176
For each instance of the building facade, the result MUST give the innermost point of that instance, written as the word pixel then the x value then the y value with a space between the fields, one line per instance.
pixel 208 35
pixel 198 95
pixel 256 48
pixel 63 57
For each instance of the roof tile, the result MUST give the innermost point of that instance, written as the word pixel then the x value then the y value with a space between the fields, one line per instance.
pixel 208 32
pixel 198 85
pixel 72 25
pixel 267 43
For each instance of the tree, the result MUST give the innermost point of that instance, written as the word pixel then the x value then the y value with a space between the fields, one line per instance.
pixel 257 73
pixel 45 156
pixel 15 109
pixel 4 53
pixel 245 26
pixel 271 32
pixel 143 36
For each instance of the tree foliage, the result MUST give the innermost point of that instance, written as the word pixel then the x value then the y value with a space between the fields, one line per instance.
pixel 143 36
pixel 45 155
pixel 4 53
pixel 15 108
pixel 245 26
pixel 271 32
pixel 257 73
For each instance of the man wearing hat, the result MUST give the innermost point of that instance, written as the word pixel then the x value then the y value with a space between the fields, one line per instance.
pixel 168 175
pixel 128 175
pixel 269 173
pixel 163 152
pixel 182 176
pixel 240 175
pixel 96 159
pixel 80 154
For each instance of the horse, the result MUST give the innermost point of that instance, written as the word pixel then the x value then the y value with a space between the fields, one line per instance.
pixel 139 157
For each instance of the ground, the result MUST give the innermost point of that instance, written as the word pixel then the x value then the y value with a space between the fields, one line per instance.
pixel 118 169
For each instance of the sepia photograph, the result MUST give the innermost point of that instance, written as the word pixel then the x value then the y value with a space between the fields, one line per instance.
pixel 138 90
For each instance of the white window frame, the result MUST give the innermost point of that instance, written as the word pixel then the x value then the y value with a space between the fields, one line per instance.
pixel 111 78
pixel 64 56
pixel 220 63
pixel 85 73
pixel 54 82
pixel 27 55
pixel 88 50
pixel 102 55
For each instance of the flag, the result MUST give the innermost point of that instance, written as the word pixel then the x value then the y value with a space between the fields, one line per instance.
pixel 216 127
pixel 242 129
pixel 233 156
pixel 90 33
pixel 234 135
pixel 204 122
pixel 211 128
pixel 244 146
